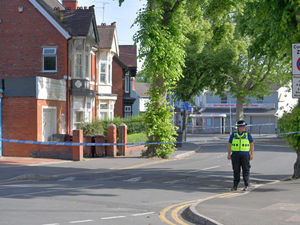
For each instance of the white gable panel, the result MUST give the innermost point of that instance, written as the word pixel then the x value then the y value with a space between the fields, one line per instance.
pixel 115 44
pixel 50 19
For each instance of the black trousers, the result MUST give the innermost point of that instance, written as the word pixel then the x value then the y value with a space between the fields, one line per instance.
pixel 240 161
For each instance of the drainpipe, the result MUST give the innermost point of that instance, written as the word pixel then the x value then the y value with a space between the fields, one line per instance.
pixel 68 95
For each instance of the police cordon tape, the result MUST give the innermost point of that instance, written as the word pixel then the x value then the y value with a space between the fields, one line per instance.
pixel 129 144
pixel 249 125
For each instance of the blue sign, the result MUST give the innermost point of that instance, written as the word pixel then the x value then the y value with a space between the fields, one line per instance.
pixel 185 106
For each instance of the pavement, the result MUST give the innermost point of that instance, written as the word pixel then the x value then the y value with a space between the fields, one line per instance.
pixel 272 203
pixel 276 203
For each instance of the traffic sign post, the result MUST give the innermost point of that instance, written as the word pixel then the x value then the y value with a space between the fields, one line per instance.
pixel 296 86
pixel 296 70
pixel 296 59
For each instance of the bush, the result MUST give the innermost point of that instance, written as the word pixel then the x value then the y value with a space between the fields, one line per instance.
pixel 93 128
pixel 134 125
pixel 290 122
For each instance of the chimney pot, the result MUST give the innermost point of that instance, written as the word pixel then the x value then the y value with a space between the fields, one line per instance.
pixel 73 4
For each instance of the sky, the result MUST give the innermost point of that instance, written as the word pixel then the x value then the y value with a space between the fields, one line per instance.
pixel 124 16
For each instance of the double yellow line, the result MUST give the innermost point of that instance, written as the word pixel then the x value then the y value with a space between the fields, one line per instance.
pixel 173 210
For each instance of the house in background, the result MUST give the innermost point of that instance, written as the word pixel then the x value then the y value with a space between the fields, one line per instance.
pixel 141 96
pixel 124 71
pixel 218 114
pixel 108 49
pixel 51 84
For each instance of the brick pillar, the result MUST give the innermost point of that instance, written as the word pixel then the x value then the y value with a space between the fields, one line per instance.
pixel 100 150
pixel 77 151
pixel 111 138
pixel 122 138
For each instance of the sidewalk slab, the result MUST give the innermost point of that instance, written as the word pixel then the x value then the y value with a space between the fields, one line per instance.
pixel 277 203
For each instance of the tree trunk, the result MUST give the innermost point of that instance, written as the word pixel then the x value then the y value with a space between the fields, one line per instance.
pixel 239 108
pixel 296 174
pixel 184 122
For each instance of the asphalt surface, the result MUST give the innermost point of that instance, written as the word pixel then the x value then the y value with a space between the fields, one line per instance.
pixel 129 190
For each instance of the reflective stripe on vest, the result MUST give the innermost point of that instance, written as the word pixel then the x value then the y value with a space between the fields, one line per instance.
pixel 240 143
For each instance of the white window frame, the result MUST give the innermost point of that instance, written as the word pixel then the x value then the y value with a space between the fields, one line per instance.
pixel 104 62
pixel 78 68
pixel 127 82
pixel 62 123
pixel 47 54
pixel 127 110
pixel 109 110
pixel 109 72
pixel 88 66
pixel 87 112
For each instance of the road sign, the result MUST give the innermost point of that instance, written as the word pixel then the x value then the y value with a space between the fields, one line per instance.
pixel 296 86
pixel 296 58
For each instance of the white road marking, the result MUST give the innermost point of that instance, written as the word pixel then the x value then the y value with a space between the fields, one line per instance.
pixel 265 145
pixel 143 214
pixel 135 179
pixel 51 224
pixel 67 179
pixel 173 181
pixel 81 221
pixel 213 167
pixel 112 217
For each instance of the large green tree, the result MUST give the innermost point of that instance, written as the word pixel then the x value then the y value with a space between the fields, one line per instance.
pixel 232 59
pixel 161 40
pixel 277 22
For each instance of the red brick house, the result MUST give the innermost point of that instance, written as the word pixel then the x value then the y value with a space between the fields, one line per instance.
pixel 48 68
pixel 124 71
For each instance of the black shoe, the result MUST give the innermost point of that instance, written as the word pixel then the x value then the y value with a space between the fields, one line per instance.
pixel 234 188
pixel 246 188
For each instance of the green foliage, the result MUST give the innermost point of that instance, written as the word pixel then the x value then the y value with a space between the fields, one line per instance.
pixel 229 56
pixel 135 124
pixel 161 45
pixel 94 128
pixel 137 138
pixel 290 122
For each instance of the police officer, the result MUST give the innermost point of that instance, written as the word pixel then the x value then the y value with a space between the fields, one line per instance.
pixel 240 150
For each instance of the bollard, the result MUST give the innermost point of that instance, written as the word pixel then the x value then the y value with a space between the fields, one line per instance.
pixel 77 151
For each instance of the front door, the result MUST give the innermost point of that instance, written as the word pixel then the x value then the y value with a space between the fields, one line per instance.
pixel 49 123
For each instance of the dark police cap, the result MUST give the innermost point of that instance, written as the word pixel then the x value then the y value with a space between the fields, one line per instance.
pixel 241 123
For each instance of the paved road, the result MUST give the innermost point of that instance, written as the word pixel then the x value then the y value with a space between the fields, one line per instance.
pixel 136 195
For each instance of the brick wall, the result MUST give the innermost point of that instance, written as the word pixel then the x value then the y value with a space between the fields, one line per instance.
pixel 19 122
pixel 22 120
pixel 117 87
pixel 22 36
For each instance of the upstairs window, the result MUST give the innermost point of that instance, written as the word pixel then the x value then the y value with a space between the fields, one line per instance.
pixel 49 60
pixel 224 100
pixel 87 66
pixel 127 82
pixel 103 72
pixel 260 98
pixel 78 66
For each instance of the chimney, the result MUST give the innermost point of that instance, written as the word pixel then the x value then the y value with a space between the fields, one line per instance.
pixel 133 83
pixel 70 4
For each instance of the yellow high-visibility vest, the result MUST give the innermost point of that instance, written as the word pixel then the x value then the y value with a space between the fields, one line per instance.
pixel 240 143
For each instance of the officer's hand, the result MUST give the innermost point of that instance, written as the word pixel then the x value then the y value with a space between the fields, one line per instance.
pixel 251 157
pixel 228 157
